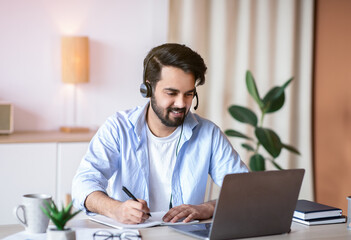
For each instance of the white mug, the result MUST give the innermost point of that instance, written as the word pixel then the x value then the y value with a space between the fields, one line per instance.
pixel 34 220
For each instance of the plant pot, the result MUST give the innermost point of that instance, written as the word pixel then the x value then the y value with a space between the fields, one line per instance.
pixel 55 234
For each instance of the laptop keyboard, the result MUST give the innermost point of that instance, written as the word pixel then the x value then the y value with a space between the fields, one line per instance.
pixel 202 233
pixel 202 230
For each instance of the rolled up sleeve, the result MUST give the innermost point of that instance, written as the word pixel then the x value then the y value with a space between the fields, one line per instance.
pixel 97 166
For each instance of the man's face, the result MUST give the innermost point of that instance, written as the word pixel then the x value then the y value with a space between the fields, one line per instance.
pixel 173 95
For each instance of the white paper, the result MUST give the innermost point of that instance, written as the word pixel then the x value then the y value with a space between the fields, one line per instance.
pixel 155 220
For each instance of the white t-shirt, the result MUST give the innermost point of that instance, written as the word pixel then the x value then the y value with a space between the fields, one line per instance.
pixel 162 158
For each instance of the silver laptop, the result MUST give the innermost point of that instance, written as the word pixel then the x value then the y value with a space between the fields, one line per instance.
pixel 250 205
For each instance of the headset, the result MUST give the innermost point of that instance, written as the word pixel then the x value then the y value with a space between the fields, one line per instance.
pixel 146 89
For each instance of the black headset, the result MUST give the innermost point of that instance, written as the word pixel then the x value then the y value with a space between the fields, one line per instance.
pixel 146 89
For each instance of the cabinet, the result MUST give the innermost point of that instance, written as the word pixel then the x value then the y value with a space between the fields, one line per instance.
pixel 69 156
pixel 37 162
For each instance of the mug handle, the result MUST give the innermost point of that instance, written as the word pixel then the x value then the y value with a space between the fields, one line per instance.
pixel 23 222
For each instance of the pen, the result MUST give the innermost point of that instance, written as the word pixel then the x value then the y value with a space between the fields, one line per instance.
pixel 131 196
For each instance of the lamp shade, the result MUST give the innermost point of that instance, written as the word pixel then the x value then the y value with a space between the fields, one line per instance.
pixel 75 59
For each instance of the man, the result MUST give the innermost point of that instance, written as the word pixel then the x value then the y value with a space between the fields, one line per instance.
pixel 161 152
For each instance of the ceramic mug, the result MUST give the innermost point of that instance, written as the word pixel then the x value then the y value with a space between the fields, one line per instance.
pixel 34 220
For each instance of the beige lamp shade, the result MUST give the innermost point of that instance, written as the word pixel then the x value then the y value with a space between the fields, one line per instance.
pixel 75 59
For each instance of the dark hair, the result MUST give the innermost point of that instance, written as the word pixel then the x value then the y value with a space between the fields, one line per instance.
pixel 176 55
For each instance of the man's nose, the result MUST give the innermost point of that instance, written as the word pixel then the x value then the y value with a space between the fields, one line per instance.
pixel 180 102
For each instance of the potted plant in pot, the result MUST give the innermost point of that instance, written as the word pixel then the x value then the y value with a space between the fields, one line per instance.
pixel 268 138
pixel 59 218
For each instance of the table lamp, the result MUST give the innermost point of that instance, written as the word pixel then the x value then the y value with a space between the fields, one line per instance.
pixel 75 70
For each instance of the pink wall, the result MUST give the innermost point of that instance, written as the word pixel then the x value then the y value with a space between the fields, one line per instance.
pixel 120 32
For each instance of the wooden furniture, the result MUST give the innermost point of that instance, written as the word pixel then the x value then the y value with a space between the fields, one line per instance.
pixel 38 162
pixel 298 231
pixel 332 103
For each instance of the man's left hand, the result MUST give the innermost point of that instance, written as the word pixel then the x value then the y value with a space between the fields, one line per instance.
pixel 190 212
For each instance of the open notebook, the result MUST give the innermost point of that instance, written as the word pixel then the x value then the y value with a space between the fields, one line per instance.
pixel 155 220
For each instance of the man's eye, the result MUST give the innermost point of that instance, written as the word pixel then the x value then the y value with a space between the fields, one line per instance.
pixel 171 93
pixel 190 94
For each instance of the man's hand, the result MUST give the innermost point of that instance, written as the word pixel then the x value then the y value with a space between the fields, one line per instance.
pixel 131 212
pixel 128 212
pixel 190 212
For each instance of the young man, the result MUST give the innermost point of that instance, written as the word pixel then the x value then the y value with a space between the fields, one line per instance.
pixel 161 152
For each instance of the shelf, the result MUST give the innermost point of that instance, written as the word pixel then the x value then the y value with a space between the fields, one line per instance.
pixel 46 136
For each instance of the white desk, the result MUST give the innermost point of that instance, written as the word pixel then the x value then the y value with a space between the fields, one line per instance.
pixel 298 231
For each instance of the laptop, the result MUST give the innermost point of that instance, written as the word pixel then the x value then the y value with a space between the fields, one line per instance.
pixel 250 205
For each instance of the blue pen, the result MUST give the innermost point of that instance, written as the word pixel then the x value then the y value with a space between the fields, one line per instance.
pixel 131 196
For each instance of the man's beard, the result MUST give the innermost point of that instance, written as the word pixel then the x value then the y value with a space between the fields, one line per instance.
pixel 165 119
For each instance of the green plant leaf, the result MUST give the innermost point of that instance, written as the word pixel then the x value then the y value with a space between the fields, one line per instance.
pixel 45 211
pixel 269 140
pixel 275 98
pixel 243 114
pixel 252 89
pixel 53 207
pixel 248 147
pixel 257 163
pixel 69 207
pixel 291 149
pixel 280 91
pixel 59 217
pixel 73 215
pixel 272 104
pixel 233 133
pixel 277 165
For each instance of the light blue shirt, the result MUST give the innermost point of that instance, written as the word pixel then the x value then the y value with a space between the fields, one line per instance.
pixel 118 154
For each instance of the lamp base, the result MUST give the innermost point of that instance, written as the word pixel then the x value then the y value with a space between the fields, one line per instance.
pixel 68 129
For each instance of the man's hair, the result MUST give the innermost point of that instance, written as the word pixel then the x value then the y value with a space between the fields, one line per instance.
pixel 175 55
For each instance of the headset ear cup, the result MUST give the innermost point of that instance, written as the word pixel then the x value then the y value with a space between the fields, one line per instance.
pixel 146 90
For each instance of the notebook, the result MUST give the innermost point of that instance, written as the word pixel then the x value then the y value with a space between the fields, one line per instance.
pixel 250 205
pixel 320 221
pixel 155 220
pixel 307 210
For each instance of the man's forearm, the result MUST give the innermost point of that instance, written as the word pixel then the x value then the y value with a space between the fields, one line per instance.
pixel 99 202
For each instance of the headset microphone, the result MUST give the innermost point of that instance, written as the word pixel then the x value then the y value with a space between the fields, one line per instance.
pixel 197 101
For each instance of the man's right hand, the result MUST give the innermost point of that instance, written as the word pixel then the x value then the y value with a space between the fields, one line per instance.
pixel 131 212
pixel 128 212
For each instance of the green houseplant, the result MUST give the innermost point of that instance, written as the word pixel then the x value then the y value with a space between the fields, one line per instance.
pixel 59 217
pixel 269 139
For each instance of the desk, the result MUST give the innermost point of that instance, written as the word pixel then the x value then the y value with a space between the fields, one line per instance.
pixel 298 231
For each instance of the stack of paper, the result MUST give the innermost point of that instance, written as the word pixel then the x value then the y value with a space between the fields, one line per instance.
pixel 312 213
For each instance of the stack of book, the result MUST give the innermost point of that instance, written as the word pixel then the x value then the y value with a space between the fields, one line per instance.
pixel 312 213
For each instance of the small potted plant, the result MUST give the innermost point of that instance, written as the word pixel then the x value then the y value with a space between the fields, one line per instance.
pixel 59 218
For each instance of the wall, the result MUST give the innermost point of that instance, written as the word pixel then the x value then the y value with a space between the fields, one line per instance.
pixel 121 33
pixel 332 108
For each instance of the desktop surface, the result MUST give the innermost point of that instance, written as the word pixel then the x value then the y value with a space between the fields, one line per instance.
pixel 298 231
